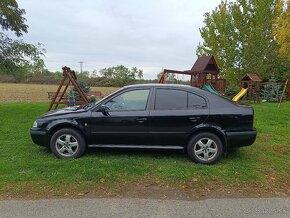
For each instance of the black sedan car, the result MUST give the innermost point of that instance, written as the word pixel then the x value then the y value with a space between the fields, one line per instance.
pixel 158 116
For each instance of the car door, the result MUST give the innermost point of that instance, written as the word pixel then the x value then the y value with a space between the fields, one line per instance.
pixel 126 121
pixel 174 114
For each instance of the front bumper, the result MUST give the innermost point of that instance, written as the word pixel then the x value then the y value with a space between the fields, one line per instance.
pixel 39 137
pixel 240 139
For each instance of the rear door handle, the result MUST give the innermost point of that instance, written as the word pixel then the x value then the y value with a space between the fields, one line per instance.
pixel 194 119
pixel 141 119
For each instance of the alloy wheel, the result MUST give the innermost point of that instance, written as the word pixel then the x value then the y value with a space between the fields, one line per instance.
pixel 205 149
pixel 66 145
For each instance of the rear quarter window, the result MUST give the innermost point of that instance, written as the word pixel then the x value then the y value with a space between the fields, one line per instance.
pixel 195 101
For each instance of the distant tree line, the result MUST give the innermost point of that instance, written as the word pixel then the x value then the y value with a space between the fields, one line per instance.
pixel 116 76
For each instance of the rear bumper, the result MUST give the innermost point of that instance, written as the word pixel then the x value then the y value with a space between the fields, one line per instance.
pixel 240 139
pixel 39 137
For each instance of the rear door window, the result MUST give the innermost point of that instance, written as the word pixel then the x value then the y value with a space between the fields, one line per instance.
pixel 173 99
pixel 170 99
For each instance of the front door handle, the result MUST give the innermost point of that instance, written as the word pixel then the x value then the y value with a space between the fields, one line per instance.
pixel 194 119
pixel 141 119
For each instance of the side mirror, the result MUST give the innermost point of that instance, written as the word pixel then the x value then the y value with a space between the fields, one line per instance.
pixel 104 109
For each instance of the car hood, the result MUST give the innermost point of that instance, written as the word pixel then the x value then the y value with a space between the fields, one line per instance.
pixel 67 110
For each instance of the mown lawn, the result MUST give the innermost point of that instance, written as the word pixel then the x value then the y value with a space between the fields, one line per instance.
pixel 27 170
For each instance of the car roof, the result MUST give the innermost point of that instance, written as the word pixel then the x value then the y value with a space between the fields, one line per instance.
pixel 167 85
pixel 158 85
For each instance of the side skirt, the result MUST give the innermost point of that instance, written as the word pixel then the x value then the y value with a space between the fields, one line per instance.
pixel 174 147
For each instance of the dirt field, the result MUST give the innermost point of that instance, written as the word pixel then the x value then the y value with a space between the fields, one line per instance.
pixel 11 92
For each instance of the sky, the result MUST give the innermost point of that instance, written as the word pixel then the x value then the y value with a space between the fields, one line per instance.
pixel 148 34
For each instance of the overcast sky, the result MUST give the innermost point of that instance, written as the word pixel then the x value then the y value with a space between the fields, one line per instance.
pixel 148 34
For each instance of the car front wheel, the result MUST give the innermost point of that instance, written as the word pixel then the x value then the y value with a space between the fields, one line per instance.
pixel 205 148
pixel 67 143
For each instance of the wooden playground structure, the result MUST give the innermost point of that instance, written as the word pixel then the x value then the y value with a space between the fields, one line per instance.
pixel 205 74
pixel 252 83
pixel 59 97
pixel 204 71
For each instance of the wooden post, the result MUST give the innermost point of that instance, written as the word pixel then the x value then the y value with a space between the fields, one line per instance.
pixel 58 89
pixel 61 96
pixel 281 98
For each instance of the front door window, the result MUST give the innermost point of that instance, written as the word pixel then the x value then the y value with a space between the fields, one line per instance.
pixel 135 100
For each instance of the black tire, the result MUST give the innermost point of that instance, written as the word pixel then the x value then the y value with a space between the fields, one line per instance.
pixel 201 154
pixel 67 137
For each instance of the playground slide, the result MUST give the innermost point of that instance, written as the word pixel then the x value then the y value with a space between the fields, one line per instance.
pixel 240 94
pixel 210 88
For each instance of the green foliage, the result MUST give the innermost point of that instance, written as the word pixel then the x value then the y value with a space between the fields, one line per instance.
pixel 85 75
pixel 92 99
pixel 271 91
pixel 231 91
pixel 11 17
pixel 281 28
pixel 73 93
pixel 239 35
pixel 17 57
pixel 121 75
pixel 57 75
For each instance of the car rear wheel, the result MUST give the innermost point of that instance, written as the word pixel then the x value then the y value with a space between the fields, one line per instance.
pixel 205 148
pixel 67 143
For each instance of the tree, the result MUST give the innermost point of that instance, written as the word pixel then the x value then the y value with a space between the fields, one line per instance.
pixel 137 73
pixel 281 28
pixel 239 35
pixel 120 75
pixel 11 17
pixel 220 39
pixel 16 56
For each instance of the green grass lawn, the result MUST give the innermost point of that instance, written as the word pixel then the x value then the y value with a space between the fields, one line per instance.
pixel 28 170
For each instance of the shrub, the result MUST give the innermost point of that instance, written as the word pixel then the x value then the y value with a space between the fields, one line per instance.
pixel 41 80
pixel 231 91
pixel 73 93
pixel 7 79
pixel 271 91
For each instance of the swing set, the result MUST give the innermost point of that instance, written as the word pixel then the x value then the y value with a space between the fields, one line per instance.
pixel 59 97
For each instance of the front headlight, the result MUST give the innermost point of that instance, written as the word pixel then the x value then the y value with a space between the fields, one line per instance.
pixel 34 124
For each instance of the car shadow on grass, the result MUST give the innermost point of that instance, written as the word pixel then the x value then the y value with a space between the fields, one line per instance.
pixel 154 153
pixel 134 152
pixel 233 154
